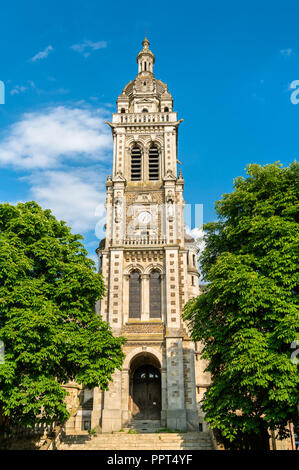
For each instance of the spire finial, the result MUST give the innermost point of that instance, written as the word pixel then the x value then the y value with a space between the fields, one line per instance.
pixel 145 43
pixel 145 58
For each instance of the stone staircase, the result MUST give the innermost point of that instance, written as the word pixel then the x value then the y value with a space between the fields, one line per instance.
pixel 144 426
pixel 131 439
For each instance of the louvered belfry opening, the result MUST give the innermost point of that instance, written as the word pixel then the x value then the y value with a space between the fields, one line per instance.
pixel 155 294
pixel 153 163
pixel 135 294
pixel 136 163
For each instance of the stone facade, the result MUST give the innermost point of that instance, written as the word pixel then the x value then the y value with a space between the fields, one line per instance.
pixel 145 235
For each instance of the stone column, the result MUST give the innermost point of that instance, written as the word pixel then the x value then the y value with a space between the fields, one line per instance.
pixel 96 409
pixel 163 397
pixel 111 414
pixel 190 386
pixel 125 396
pixel 163 299
pixel 145 297
pixel 126 279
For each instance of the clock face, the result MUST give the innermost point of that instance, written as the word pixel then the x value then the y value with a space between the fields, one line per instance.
pixel 144 217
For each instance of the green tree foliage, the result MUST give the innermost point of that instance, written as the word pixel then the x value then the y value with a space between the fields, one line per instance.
pixel 247 316
pixel 48 290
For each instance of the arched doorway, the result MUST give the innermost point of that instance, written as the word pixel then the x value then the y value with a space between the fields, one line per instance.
pixel 145 388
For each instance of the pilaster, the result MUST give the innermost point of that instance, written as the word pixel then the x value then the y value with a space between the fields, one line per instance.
pixel 111 414
pixel 172 287
pixel 176 412
pixel 115 288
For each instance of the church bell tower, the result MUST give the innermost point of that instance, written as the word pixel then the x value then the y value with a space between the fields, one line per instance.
pixel 149 265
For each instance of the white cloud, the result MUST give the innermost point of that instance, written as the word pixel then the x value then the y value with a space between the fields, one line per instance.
pixel 73 195
pixel 18 89
pixel 64 153
pixel 50 137
pixel 286 52
pixel 42 54
pixel 87 46
pixel 21 88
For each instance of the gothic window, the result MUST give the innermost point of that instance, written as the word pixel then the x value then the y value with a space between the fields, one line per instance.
pixel 153 163
pixel 135 295
pixel 155 294
pixel 136 164
pixel 193 260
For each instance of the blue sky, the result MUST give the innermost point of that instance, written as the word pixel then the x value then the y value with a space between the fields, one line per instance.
pixel 228 65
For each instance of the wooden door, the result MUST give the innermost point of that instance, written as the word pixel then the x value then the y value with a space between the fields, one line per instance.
pixel 146 393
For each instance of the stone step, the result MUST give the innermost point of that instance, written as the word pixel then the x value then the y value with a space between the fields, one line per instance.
pixel 120 435
pixel 124 441
pixel 144 426
pixel 139 438
pixel 153 449
pixel 150 448
pixel 136 447
pixel 150 440
pixel 149 444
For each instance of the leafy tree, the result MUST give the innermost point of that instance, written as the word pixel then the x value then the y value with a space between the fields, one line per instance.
pixel 51 333
pixel 247 316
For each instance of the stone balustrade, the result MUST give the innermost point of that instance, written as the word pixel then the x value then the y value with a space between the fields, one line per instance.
pixel 132 118
pixel 144 241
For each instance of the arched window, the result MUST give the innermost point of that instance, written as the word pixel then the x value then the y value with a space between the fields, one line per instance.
pixel 122 110
pixel 135 294
pixel 166 110
pixel 136 163
pixel 145 110
pixel 155 294
pixel 153 163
